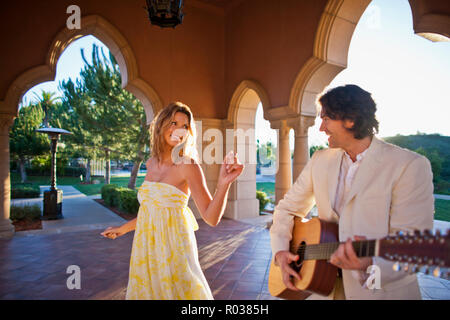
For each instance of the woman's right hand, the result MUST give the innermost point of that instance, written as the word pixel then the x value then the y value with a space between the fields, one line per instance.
pixel 113 232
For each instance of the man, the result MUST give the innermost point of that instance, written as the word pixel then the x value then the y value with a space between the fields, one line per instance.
pixel 371 188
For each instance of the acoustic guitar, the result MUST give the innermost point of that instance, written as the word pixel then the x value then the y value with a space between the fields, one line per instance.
pixel 316 240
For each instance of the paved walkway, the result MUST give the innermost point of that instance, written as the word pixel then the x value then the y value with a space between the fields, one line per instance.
pixel 442 196
pixel 80 213
pixel 235 257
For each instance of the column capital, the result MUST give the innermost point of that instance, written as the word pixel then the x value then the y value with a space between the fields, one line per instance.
pixel 301 125
pixel 281 125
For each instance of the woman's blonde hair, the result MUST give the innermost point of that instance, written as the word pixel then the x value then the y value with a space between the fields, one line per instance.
pixel 162 121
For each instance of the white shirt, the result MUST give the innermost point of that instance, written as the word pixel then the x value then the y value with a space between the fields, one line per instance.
pixel 347 174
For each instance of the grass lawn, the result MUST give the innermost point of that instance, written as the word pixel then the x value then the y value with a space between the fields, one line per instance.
pixel 267 187
pixel 87 189
pixel 442 208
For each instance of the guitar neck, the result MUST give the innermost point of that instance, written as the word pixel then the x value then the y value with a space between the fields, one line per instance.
pixel 323 251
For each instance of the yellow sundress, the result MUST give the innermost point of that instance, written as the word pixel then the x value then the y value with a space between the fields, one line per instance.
pixel 164 261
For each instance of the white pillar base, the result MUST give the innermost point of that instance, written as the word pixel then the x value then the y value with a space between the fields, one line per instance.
pixel 242 209
pixel 7 229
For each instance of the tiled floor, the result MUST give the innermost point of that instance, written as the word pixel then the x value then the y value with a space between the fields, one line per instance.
pixel 235 257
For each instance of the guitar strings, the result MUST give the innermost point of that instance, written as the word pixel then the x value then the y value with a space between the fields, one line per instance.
pixel 324 250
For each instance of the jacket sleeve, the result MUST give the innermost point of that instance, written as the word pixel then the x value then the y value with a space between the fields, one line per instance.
pixel 297 201
pixel 412 208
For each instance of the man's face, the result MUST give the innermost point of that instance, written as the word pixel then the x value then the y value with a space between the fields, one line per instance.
pixel 336 130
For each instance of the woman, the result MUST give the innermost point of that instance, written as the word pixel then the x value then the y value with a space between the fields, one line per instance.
pixel 164 259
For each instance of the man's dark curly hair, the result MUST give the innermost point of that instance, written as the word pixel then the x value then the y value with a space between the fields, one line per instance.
pixel 352 103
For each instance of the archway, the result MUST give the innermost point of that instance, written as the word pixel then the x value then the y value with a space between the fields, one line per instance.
pixel 240 136
pixel 109 35
pixel 332 42
pixel 101 29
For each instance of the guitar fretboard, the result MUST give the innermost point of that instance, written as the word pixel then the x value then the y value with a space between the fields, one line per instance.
pixel 323 251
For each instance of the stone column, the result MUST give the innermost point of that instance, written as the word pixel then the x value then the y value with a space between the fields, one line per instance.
pixel 301 149
pixel 210 149
pixel 6 227
pixel 283 178
pixel 242 202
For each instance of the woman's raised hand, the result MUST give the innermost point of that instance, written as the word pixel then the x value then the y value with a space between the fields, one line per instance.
pixel 231 169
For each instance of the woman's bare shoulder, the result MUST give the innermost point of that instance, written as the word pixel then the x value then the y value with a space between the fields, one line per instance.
pixel 150 163
pixel 188 162
pixel 190 166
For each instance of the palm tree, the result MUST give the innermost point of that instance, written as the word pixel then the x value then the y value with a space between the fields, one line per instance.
pixel 46 100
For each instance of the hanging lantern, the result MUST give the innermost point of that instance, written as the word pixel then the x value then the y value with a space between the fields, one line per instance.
pixel 165 13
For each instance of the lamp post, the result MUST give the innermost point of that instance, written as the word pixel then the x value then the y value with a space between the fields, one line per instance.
pixel 53 197
pixel 165 13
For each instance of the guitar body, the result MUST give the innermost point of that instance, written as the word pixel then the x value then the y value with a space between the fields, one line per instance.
pixel 317 276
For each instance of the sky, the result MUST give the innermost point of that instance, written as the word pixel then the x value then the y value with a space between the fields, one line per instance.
pixel 408 76
pixel 69 65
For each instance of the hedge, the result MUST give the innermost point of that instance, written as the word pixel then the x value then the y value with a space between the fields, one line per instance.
pixel 263 199
pixel 108 192
pixel 18 192
pixel 128 200
pixel 123 198
pixel 29 212
pixel 63 172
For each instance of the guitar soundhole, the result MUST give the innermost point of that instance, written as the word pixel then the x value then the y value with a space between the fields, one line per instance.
pixel 297 265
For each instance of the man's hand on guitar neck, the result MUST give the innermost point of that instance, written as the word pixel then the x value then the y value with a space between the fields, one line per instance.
pixel 345 257
pixel 284 259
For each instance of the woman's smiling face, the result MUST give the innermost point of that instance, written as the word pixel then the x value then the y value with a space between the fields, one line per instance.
pixel 177 130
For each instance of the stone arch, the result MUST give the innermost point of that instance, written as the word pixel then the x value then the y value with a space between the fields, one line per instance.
pixel 241 116
pixel 247 95
pixel 428 23
pixel 100 28
pixel 331 44
pixel 434 27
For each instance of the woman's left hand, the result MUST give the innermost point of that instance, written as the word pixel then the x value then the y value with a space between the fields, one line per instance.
pixel 230 170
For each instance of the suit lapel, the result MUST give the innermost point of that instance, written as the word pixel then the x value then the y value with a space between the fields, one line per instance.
pixel 367 169
pixel 334 168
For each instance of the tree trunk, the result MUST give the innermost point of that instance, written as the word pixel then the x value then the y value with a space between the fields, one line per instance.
pixel 88 171
pixel 108 168
pixel 134 173
pixel 23 172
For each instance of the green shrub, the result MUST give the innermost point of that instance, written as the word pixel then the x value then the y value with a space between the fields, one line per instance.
pixel 123 198
pixel 29 212
pixel 18 192
pixel 442 186
pixel 128 201
pixel 263 199
pixel 108 192
pixel 60 171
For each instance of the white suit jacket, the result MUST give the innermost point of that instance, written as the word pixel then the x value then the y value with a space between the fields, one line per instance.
pixel 392 190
